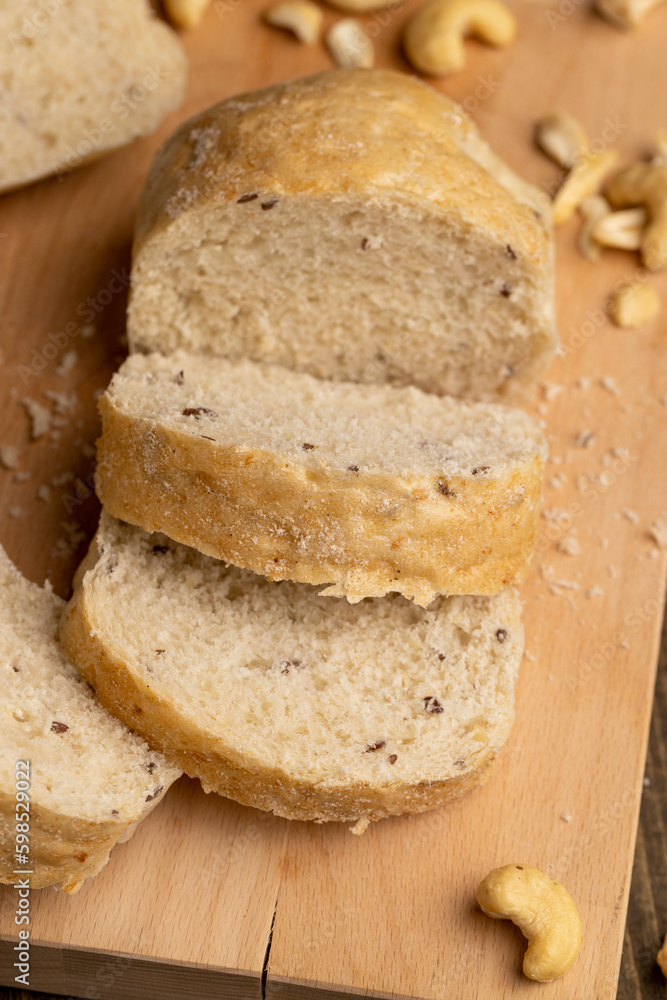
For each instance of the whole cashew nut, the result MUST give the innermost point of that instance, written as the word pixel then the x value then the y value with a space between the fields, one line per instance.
pixel 542 909
pixel 433 37
pixel 645 184
pixel 301 17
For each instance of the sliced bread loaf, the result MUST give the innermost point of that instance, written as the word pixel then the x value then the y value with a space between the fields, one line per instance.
pixel 80 77
pixel 370 489
pixel 310 709
pixel 353 225
pixel 84 780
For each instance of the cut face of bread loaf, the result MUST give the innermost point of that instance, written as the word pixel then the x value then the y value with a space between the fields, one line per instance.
pixel 352 225
pixel 80 77
pixel 90 779
pixel 310 709
pixel 370 489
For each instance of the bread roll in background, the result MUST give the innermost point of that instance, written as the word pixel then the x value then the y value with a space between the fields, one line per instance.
pixel 79 78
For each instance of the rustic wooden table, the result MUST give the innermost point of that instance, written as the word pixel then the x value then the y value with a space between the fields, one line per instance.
pixel 640 977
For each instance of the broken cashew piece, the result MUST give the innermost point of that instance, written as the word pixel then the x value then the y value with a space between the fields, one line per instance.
pixel 592 210
pixel 433 37
pixel 562 138
pixel 582 181
pixel 645 184
pixel 186 13
pixel 301 17
pixel 634 305
pixel 349 45
pixel 621 230
pixel 625 13
pixel 542 909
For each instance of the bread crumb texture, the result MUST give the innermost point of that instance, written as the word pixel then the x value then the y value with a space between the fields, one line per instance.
pixel 91 780
pixel 278 699
pixel 348 241
pixel 371 489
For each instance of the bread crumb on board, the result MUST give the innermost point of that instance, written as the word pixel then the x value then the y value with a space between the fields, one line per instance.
pixel 595 591
pixel 584 439
pixel 569 545
pixel 66 364
pixel 630 515
pixel 15 511
pixel 39 416
pixel 9 456
pixel 658 534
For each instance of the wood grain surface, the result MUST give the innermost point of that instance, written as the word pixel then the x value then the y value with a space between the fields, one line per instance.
pixel 191 904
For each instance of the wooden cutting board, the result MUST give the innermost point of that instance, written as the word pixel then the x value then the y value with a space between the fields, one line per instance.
pixel 210 899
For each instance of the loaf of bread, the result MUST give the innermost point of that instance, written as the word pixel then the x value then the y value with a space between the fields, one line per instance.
pixel 311 709
pixel 352 225
pixel 80 77
pixel 87 779
pixel 369 489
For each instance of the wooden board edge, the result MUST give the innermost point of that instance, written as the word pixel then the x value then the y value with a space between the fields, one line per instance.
pixel 94 975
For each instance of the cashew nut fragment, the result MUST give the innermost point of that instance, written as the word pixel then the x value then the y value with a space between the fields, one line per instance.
pixel 582 181
pixel 186 13
pixel 645 184
pixel 562 138
pixel 301 17
pixel 625 13
pixel 542 909
pixel 634 305
pixel 592 210
pixel 622 230
pixel 349 44
pixel 433 37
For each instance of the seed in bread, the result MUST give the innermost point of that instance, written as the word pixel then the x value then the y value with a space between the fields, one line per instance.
pixel 91 781
pixel 311 709
pixel 370 489
pixel 80 78
pixel 352 225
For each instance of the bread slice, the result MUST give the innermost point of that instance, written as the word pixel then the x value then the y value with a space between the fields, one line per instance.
pixel 80 77
pixel 352 225
pixel 90 780
pixel 315 710
pixel 370 489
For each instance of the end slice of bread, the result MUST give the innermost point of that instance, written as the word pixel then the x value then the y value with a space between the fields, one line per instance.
pixel 314 710
pixel 370 489
pixel 353 225
pixel 81 77
pixel 90 781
